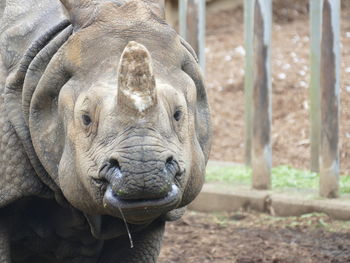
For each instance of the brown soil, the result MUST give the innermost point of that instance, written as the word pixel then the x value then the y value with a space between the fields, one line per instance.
pixel 290 72
pixel 248 237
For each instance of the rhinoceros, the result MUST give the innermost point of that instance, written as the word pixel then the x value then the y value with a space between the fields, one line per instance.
pixel 105 130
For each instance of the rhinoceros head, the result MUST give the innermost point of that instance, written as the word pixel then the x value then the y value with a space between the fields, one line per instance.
pixel 120 119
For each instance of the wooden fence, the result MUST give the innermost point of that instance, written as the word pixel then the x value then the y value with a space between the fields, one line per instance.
pixel 324 84
pixel 192 26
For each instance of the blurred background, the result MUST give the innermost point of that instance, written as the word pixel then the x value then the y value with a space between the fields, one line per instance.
pixel 231 230
pixel 290 59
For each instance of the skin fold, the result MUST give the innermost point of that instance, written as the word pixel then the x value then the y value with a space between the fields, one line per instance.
pixel 104 121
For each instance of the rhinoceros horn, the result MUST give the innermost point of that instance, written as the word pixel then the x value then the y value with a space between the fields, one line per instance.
pixel 136 83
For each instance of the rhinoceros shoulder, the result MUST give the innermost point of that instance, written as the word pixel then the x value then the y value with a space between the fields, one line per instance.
pixel 17 177
pixel 21 23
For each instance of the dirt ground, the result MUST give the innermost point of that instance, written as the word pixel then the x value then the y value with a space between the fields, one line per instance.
pixel 290 71
pixel 248 237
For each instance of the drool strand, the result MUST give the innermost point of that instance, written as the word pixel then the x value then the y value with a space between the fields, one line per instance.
pixel 126 226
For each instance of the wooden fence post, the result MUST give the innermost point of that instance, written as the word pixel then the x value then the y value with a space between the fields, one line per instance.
pixel 248 78
pixel 201 32
pixel 330 81
pixel 315 90
pixel 192 26
pixel 183 18
pixel 261 144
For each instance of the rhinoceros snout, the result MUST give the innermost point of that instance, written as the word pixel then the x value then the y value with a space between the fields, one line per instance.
pixel 139 179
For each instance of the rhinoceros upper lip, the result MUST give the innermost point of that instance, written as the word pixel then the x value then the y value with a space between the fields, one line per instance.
pixel 141 208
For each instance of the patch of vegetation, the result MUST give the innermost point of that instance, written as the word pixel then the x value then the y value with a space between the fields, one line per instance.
pixel 282 177
pixel 233 174
pixel 288 177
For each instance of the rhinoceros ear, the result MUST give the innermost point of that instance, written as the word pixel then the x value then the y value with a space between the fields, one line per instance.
pixel 203 121
pixel 136 83
pixel 80 12
pixel 203 130
pixel 158 7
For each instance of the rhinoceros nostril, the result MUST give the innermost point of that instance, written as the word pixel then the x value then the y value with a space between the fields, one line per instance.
pixel 114 163
pixel 169 161
pixel 171 166
pixel 110 172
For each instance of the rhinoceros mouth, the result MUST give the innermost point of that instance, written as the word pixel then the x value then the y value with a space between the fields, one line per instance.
pixel 139 211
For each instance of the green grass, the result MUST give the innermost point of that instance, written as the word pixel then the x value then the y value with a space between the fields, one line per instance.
pixel 235 174
pixel 282 177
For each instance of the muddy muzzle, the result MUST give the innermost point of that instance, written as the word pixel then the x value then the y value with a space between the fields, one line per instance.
pixel 142 189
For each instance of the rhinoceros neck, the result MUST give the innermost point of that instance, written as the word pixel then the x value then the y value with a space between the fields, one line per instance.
pixel 21 85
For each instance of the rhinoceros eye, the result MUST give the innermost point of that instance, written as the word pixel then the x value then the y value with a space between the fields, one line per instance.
pixel 177 115
pixel 86 119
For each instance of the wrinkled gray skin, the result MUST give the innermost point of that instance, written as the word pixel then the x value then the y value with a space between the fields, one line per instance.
pixel 103 115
